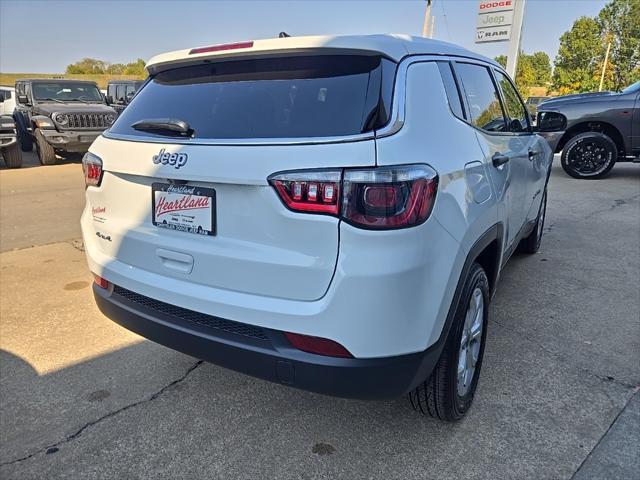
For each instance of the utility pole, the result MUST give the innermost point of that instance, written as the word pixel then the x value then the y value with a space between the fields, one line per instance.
pixel 433 26
pixel 604 66
pixel 427 21
pixel 514 43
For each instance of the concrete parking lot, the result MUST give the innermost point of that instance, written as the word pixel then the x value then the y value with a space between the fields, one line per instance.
pixel 558 397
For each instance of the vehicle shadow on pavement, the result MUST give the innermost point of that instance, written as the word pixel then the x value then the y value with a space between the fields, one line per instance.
pixel 30 160
pixel 117 412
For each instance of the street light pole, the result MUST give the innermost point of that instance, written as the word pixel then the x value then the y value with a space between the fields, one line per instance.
pixel 427 19
pixel 514 42
pixel 604 66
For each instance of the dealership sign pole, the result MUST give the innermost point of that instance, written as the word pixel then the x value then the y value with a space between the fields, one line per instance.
pixel 501 21
pixel 514 44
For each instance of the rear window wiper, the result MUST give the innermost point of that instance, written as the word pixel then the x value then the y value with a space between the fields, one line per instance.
pixel 164 126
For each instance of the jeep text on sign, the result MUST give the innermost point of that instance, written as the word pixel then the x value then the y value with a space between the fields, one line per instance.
pixel 494 20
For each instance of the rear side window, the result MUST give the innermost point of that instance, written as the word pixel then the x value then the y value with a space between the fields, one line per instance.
pixel 449 81
pixel 482 98
pixel 516 111
pixel 120 93
pixel 295 96
pixel 130 90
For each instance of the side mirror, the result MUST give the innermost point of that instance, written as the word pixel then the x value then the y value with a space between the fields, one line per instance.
pixel 108 99
pixel 23 99
pixel 516 126
pixel 551 122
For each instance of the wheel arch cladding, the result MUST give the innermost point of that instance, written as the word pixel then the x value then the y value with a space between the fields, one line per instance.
pixel 597 126
pixel 487 251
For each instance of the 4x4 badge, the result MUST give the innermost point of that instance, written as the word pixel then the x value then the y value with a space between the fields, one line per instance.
pixel 165 158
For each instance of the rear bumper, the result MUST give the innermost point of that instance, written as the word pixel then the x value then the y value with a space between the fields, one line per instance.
pixel 264 353
pixel 71 141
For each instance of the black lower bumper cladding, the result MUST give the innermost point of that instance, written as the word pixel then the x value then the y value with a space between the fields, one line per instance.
pixel 263 353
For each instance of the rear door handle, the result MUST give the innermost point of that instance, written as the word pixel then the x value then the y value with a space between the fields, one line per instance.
pixel 532 153
pixel 499 159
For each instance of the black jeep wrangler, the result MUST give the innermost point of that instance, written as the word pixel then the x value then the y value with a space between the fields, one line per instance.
pixel 59 116
pixel 121 92
pixel 599 129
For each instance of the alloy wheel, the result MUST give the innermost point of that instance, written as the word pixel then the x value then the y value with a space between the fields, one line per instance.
pixel 470 342
pixel 589 158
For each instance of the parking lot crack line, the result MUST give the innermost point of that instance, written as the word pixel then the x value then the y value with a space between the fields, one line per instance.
pixel 81 430
pixel 603 378
pixel 604 434
pixel 617 203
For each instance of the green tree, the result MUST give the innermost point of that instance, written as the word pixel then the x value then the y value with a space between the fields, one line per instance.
pixel 580 49
pixel 87 66
pixel 529 72
pixel 135 68
pixel 542 68
pixel 116 69
pixel 619 22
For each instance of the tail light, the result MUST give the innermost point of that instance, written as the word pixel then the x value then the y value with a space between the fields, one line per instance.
pixel 92 168
pixel 309 191
pixel 380 198
pixel 317 345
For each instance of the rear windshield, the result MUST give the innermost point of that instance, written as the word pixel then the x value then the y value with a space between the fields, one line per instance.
pixel 310 96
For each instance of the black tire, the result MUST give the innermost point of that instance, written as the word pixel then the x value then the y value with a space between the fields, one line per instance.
pixel 531 243
pixel 12 156
pixel 439 396
pixel 589 155
pixel 46 153
pixel 26 142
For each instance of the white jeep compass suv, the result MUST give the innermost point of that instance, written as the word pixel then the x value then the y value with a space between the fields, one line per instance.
pixel 330 213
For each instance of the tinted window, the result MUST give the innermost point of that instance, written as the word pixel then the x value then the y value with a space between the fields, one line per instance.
pixel 120 93
pixel 130 90
pixel 516 111
pixel 483 100
pixel 313 96
pixel 451 88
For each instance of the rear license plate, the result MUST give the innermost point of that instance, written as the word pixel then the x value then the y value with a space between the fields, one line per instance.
pixel 186 208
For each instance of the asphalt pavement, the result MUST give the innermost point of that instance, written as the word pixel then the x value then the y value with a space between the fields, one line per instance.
pixel 81 397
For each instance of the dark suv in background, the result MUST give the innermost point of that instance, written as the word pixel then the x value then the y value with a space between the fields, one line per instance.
pixel 59 116
pixel 601 128
pixel 120 93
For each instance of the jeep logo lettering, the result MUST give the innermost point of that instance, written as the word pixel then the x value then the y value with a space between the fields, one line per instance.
pixel 175 159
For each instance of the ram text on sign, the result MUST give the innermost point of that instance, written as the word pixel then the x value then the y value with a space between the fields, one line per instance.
pixel 493 34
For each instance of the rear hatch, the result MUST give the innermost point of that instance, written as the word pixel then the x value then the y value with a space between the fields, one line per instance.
pixel 198 206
